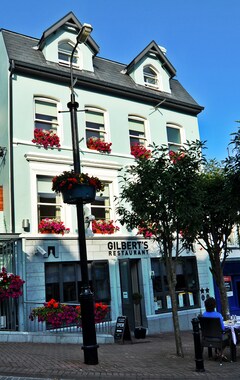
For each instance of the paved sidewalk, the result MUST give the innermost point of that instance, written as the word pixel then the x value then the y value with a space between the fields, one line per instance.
pixel 150 358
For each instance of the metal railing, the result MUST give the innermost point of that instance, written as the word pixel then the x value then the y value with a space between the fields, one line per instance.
pixel 9 315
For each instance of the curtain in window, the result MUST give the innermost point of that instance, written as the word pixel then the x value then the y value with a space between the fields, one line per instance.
pixel 136 131
pixel 46 115
pixel 95 124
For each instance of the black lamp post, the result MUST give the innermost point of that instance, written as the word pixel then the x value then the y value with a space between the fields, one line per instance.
pixel 86 296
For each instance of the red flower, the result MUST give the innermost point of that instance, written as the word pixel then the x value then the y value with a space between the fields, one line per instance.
pixel 176 156
pixel 69 178
pixel 98 144
pixel 10 285
pixel 103 227
pixel 58 314
pixel 46 138
pixel 140 152
pixel 52 226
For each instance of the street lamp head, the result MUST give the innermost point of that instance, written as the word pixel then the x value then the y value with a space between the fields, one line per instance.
pixel 84 33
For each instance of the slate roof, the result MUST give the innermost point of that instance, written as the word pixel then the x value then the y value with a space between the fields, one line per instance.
pixel 108 75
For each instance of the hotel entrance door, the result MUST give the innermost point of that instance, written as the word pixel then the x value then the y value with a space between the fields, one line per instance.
pixel 132 285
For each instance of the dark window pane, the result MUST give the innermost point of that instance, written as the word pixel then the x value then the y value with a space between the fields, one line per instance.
pixel 173 135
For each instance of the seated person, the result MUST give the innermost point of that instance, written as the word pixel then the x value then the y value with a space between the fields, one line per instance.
pixel 210 312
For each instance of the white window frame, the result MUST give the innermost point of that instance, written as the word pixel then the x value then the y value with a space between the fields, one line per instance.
pixel 76 54
pixel 57 205
pixel 108 208
pixel 105 131
pixel 46 170
pixel 149 76
pixel 58 123
pixel 146 134
pixel 109 176
pixel 181 134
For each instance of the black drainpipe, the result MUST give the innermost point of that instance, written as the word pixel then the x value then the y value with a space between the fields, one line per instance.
pixel 11 69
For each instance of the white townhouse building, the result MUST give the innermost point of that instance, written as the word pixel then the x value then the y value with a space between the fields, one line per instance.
pixel 138 102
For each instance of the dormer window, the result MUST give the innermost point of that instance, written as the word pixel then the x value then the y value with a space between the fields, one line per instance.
pixel 65 49
pixel 150 76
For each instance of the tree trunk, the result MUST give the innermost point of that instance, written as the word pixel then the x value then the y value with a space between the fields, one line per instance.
pixel 219 278
pixel 223 298
pixel 171 277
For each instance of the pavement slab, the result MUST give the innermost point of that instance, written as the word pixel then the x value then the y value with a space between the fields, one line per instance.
pixel 151 358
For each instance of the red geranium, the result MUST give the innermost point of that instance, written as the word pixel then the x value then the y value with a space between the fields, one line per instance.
pixel 104 227
pixel 46 138
pixel 58 314
pixel 68 179
pixel 139 151
pixel 96 143
pixel 52 226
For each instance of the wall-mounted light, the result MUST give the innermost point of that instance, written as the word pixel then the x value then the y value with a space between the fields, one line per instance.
pixel 26 225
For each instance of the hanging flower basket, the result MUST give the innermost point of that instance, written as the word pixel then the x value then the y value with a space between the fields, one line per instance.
pixel 84 193
pixel 76 187
pixel 10 285
pixel 98 144
pixel 46 138
pixel 52 226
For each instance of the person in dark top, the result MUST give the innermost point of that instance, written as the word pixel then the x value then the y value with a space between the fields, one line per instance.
pixel 210 312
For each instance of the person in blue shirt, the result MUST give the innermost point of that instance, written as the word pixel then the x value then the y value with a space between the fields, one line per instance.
pixel 210 312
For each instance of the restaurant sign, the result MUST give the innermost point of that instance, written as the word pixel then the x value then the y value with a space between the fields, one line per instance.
pixel 127 248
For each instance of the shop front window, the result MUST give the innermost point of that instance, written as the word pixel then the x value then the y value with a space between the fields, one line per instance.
pixel 64 281
pixel 187 288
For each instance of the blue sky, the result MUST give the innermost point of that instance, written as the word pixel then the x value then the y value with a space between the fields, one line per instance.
pixel 201 37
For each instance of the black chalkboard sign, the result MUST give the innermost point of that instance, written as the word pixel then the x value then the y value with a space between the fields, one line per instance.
pixel 122 330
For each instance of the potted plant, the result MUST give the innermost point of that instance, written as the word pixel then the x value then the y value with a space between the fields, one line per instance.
pixel 104 227
pixel 140 152
pixel 10 285
pixel 46 138
pixel 98 144
pixel 58 315
pixel 52 226
pixel 76 187
pixel 136 297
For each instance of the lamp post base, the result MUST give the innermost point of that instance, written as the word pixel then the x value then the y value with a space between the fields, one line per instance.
pixel 90 354
pixel 90 345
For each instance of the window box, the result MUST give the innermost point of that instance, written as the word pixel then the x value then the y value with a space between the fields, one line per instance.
pixel 103 227
pixel 52 226
pixel 98 144
pixel 46 138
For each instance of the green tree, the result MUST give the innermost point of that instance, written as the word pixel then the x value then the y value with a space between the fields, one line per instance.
pixel 217 218
pixel 160 197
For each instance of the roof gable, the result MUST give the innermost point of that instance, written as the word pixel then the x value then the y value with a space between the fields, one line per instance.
pixel 70 20
pixel 152 48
